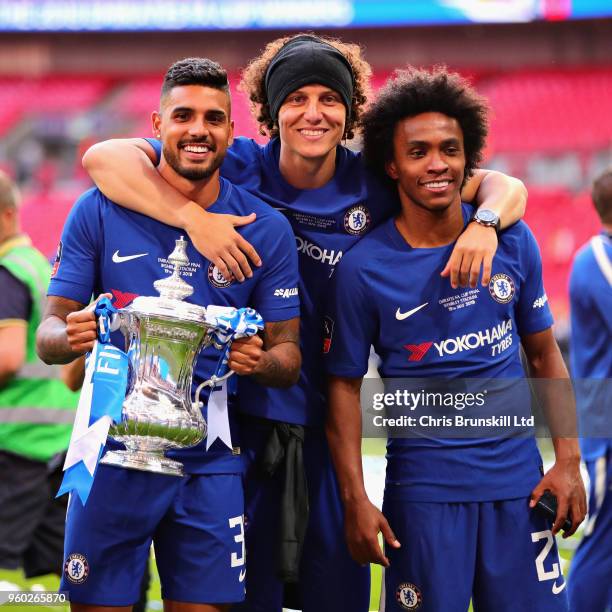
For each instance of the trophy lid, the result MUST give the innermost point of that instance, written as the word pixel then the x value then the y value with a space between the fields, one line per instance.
pixel 172 291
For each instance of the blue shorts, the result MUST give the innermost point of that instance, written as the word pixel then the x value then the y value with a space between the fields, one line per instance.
pixel 330 581
pixel 195 523
pixel 500 554
pixel 590 579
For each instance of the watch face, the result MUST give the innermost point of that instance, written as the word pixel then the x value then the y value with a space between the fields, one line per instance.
pixel 487 216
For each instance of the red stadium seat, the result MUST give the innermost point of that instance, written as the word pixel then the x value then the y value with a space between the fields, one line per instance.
pixel 20 98
pixel 549 111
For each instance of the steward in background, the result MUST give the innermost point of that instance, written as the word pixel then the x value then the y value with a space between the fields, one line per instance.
pixel 36 408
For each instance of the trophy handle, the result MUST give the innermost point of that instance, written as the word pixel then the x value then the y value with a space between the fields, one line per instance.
pixel 211 382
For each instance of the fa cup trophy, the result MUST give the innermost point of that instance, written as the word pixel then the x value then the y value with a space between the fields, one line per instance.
pixel 164 335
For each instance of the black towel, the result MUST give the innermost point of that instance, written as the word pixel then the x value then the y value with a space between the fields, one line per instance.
pixel 285 447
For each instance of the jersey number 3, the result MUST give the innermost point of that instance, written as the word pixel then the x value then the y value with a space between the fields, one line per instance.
pixel 238 560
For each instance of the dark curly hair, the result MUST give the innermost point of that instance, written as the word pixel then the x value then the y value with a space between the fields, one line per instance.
pixel 413 91
pixel 254 76
pixel 195 71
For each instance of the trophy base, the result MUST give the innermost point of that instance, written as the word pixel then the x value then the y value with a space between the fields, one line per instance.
pixel 149 461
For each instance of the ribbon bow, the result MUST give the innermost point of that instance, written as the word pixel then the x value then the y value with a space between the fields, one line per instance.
pixel 228 324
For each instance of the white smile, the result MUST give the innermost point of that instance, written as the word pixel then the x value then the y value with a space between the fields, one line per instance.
pixel 312 132
pixel 437 184
pixel 193 148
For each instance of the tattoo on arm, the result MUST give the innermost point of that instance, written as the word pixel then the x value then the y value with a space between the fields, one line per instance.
pixel 281 362
pixel 51 341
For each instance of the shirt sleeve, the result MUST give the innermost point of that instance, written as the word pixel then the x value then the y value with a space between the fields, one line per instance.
pixel 534 313
pixel 276 293
pixel 76 269
pixel 157 147
pixel 240 160
pixel 16 302
pixel 350 323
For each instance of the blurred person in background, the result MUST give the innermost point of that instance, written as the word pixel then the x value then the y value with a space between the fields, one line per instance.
pixel 590 579
pixel 308 94
pixel 36 408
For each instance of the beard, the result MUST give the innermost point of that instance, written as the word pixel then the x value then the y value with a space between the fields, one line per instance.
pixel 195 172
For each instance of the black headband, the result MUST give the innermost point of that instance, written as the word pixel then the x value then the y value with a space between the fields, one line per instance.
pixel 306 60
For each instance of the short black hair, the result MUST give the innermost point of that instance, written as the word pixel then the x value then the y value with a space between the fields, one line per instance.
pixel 602 195
pixel 195 71
pixel 415 91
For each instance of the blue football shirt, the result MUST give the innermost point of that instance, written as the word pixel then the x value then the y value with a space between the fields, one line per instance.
pixel 326 222
pixel 390 295
pixel 590 348
pixel 105 248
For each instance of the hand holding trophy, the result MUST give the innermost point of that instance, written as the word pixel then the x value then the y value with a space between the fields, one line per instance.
pixel 165 336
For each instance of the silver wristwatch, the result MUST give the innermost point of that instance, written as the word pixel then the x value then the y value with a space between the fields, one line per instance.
pixel 486 217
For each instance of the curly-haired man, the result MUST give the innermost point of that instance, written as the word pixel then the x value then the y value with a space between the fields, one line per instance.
pixel 457 497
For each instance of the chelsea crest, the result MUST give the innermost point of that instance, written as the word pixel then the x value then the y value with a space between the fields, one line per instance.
pixel 501 288
pixel 357 220
pixel 409 596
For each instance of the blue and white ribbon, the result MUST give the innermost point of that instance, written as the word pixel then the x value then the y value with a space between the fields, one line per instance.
pixel 229 324
pixel 99 406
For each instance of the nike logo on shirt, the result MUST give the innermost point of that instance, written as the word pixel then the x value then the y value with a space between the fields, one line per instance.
pixel 122 258
pixel 557 589
pixel 400 316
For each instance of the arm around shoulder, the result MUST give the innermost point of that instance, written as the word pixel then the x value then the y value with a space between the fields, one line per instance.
pixel 124 172
pixel 111 162
pixel 503 194
pixel 476 246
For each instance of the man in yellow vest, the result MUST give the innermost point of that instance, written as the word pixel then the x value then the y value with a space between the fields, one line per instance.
pixel 36 408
